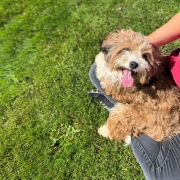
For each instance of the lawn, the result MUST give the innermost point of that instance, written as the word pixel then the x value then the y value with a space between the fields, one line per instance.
pixel 48 121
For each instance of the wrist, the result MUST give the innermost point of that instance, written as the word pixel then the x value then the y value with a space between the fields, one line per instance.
pixel 155 38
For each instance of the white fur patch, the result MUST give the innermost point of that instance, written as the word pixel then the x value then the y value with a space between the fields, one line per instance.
pixel 103 131
pixel 102 67
pixel 104 72
pixel 142 64
pixel 127 141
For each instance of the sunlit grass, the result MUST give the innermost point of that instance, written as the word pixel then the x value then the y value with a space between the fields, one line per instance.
pixel 48 122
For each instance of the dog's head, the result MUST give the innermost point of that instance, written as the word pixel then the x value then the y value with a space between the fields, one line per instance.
pixel 132 55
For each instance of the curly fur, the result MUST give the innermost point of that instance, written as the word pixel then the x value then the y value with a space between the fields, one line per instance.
pixel 151 106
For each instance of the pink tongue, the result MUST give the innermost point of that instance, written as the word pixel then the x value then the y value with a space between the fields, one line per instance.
pixel 127 80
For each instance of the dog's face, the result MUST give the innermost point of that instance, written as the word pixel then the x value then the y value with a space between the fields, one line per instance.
pixel 132 55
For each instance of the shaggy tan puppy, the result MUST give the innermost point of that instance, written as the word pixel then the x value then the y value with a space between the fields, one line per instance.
pixel 138 76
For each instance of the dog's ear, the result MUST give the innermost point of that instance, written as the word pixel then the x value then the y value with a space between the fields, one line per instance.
pixel 105 48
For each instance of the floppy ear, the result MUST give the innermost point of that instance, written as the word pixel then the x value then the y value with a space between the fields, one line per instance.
pixel 105 48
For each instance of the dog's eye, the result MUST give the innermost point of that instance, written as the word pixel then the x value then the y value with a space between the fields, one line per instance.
pixel 145 56
pixel 126 49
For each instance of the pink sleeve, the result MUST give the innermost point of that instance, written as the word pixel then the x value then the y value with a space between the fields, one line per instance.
pixel 174 62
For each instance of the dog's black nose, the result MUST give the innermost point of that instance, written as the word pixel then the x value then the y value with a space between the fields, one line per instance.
pixel 133 65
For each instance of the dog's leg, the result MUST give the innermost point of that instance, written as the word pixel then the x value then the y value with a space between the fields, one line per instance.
pixel 103 130
pixel 124 121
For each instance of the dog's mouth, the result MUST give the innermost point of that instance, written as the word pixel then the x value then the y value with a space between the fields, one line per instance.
pixel 127 78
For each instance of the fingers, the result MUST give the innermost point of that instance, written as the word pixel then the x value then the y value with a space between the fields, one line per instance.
pixel 123 32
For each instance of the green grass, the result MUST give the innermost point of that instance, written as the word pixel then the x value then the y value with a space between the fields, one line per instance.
pixel 48 122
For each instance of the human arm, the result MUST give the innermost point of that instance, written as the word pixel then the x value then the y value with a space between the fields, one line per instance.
pixel 166 33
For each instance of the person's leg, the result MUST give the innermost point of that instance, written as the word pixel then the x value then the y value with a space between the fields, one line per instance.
pixel 95 81
pixel 159 161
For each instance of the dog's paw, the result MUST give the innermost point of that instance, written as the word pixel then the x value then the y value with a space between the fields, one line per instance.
pixel 127 141
pixel 103 131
